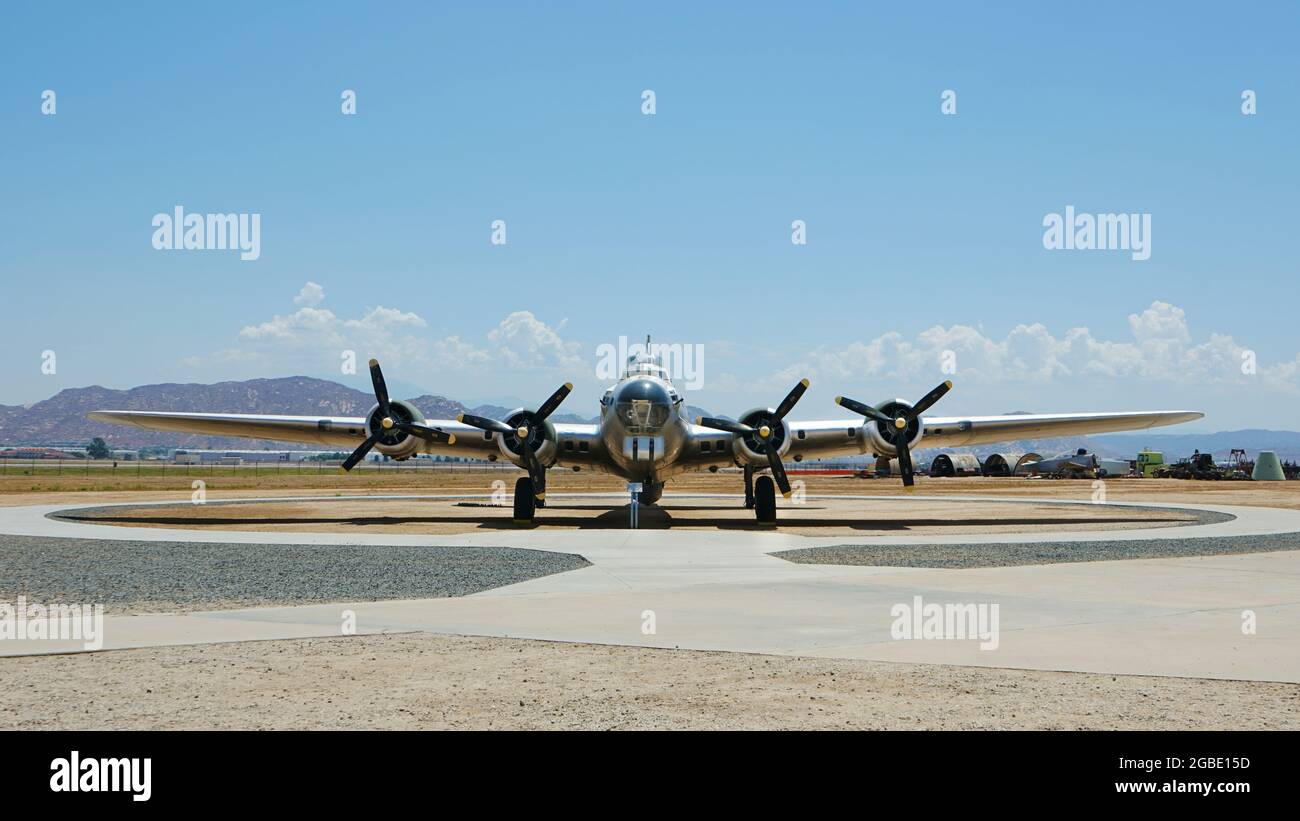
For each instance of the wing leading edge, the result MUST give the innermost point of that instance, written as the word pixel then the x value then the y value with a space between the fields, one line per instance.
pixel 957 431
pixel 829 438
pixel 342 431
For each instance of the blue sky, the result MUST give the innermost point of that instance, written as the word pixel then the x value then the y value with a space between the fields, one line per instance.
pixel 678 224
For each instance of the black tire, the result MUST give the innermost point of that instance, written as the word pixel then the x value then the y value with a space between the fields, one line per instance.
pixel 525 502
pixel 765 500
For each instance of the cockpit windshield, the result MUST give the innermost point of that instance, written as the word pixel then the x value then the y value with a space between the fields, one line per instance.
pixel 642 405
pixel 642 414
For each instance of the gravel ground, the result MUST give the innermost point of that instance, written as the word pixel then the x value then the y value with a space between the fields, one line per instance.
pixel 424 681
pixel 1005 554
pixel 152 577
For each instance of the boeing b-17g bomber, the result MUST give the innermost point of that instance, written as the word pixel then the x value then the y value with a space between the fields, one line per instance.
pixel 645 437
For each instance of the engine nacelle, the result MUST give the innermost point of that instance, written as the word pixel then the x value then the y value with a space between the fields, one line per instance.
pixel 394 444
pixel 541 436
pixel 882 437
pixel 748 447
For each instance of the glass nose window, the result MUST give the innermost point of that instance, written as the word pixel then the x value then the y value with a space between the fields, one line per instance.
pixel 642 414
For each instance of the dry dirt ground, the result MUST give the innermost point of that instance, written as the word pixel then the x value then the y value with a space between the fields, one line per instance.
pixel 422 681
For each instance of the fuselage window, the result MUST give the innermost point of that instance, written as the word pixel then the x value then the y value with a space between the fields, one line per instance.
pixel 851 432
pixel 568 445
pixel 582 446
pixel 803 434
pixel 706 446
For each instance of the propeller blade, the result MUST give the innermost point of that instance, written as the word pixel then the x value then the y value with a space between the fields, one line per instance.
pixel 863 409
pixel 426 432
pixel 793 396
pixel 361 451
pixel 723 424
pixel 931 397
pixel 483 423
pixel 535 470
pixel 548 407
pixel 778 469
pixel 381 387
pixel 905 463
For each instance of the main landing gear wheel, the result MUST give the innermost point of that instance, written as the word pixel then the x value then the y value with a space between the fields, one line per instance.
pixel 525 501
pixel 765 501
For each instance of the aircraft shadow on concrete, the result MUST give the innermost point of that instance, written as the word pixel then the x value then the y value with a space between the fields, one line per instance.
pixel 652 517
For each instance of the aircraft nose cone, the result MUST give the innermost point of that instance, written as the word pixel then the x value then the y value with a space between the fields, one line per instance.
pixel 643 405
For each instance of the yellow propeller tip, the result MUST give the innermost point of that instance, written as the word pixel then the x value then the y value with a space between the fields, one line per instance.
pixel 947 383
pixel 541 496
pixel 788 494
pixel 697 419
pixel 568 386
pixel 909 488
pixel 374 362
pixel 804 382
pixel 343 471
pixel 839 400
pixel 460 417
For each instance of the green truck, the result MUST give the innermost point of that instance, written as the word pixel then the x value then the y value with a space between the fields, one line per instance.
pixel 1149 461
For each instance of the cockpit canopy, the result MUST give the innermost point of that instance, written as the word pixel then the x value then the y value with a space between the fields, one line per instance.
pixel 646 363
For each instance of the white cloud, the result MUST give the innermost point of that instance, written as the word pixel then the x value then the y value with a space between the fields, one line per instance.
pixel 381 331
pixel 310 295
pixel 1160 321
pixel 524 341
pixel 313 336
pixel 1161 349
pixel 1159 363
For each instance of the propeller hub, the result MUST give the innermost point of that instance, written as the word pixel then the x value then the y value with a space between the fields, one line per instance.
pixel 386 423
pixel 764 431
pixel 521 432
pixel 900 423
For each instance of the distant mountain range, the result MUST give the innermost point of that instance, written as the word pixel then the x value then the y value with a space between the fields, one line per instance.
pixel 1286 443
pixel 61 420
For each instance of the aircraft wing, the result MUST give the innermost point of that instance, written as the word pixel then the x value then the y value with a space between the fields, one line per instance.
pixel 578 444
pixel 848 437
pixel 957 431
pixel 340 431
pixel 343 432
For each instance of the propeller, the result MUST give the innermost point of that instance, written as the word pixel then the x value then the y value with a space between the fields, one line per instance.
pixel 388 427
pixel 898 428
pixel 762 435
pixel 526 432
